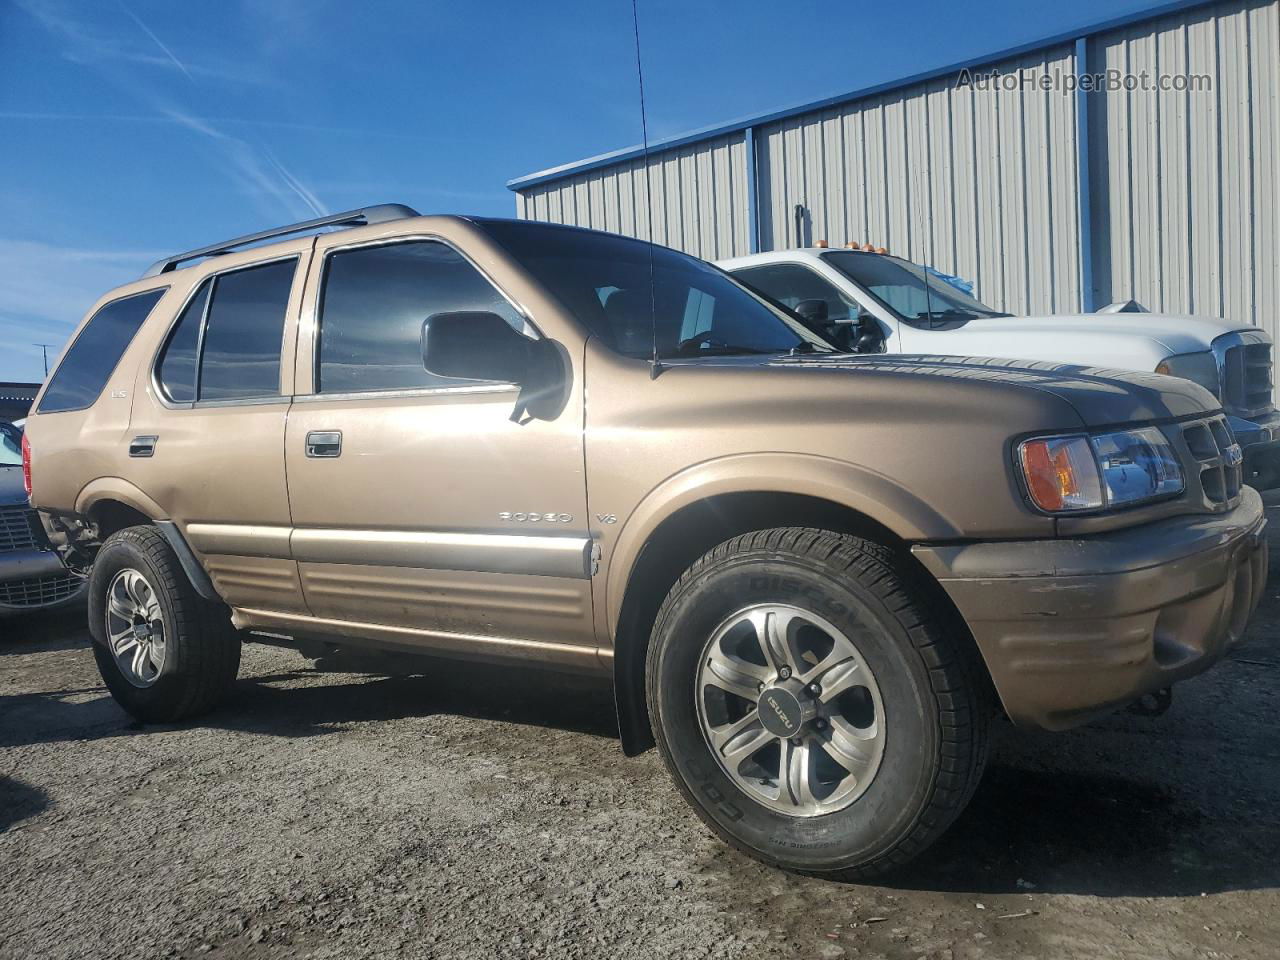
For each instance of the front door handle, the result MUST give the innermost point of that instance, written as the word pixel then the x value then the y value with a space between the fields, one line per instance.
pixel 324 444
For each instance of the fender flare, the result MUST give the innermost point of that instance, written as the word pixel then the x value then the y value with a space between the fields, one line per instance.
pixel 870 493
pixel 122 491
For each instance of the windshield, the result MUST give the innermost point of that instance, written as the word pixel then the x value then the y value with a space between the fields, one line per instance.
pixel 605 280
pixel 10 445
pixel 908 290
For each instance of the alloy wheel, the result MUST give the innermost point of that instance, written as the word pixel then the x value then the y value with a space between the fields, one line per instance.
pixel 135 628
pixel 791 710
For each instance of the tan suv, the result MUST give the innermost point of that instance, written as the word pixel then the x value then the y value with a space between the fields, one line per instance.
pixel 813 577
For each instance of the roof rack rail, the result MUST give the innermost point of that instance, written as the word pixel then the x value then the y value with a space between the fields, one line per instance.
pixel 381 213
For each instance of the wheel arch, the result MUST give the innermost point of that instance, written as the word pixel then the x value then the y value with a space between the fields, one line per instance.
pixel 714 502
pixel 113 503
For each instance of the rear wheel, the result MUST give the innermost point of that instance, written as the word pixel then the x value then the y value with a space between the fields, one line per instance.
pixel 809 707
pixel 164 652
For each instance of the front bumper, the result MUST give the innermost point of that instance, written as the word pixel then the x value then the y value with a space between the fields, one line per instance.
pixel 24 564
pixel 33 580
pixel 1074 628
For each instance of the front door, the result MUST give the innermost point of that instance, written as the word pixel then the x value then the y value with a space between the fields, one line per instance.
pixel 424 514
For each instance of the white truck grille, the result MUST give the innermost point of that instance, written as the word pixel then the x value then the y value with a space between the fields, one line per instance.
pixel 1246 381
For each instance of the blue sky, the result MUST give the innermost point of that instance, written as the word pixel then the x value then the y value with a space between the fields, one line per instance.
pixel 133 129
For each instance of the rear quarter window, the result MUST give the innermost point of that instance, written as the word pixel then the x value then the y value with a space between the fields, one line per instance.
pixel 91 359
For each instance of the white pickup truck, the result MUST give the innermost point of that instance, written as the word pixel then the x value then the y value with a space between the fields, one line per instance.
pixel 871 302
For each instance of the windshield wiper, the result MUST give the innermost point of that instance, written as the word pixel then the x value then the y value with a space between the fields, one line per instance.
pixel 956 312
pixel 723 350
pixel 705 344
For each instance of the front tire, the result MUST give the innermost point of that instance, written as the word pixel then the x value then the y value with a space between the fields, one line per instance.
pixel 810 707
pixel 164 652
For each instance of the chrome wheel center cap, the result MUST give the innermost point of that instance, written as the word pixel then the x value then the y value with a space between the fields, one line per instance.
pixel 785 708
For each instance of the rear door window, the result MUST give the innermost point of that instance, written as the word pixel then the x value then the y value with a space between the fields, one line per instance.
pixel 90 361
pixel 240 353
pixel 226 344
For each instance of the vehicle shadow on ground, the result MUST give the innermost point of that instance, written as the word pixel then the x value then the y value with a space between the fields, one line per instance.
pixel 1042 829
pixel 43 632
pixel 293 704
pixel 522 695
pixel 19 801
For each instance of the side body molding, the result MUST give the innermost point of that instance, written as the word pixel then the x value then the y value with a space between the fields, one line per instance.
pixel 846 484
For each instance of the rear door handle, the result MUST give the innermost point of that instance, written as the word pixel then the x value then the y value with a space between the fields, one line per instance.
pixel 324 443
pixel 143 446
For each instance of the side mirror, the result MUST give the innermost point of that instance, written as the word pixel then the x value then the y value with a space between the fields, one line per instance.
pixel 812 311
pixel 478 345
pixel 474 345
pixel 869 338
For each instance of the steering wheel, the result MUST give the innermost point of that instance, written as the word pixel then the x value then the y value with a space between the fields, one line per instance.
pixel 706 337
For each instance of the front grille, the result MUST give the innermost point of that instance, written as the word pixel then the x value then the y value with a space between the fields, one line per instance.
pixel 38 591
pixel 1246 382
pixel 1218 457
pixel 15 529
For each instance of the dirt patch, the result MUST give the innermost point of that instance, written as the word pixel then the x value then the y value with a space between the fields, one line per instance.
pixel 471 812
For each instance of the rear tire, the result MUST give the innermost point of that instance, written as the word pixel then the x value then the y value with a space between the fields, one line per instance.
pixel 164 652
pixel 904 710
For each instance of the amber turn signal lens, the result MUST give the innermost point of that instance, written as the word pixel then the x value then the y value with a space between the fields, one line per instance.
pixel 1061 474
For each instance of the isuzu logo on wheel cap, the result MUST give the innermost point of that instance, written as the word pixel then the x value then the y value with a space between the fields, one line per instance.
pixel 781 712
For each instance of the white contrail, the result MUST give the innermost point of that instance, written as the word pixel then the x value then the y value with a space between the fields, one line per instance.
pixel 298 187
pixel 157 41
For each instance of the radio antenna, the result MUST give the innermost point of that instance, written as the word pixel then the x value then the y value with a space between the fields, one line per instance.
pixel 655 364
pixel 928 244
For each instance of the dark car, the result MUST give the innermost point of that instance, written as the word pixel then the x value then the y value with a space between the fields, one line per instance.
pixel 31 575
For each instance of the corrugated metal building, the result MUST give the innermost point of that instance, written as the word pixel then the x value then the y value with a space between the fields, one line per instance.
pixel 1051 200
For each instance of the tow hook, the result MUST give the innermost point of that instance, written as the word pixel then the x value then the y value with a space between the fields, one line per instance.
pixel 1153 704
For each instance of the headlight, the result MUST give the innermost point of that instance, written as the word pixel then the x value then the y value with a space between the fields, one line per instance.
pixel 1070 474
pixel 1201 368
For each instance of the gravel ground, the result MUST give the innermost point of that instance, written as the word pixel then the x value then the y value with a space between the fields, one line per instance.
pixel 468 812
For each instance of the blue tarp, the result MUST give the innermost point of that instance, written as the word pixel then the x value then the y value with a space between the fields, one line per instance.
pixel 965 286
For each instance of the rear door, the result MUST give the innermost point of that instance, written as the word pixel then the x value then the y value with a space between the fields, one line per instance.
pixel 423 511
pixel 207 432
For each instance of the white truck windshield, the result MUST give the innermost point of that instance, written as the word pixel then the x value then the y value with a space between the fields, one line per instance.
pixel 907 289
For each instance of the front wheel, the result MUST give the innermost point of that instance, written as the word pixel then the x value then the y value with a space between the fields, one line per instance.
pixel 164 652
pixel 809 707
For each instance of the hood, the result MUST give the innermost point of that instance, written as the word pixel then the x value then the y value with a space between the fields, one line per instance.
pixel 1136 341
pixel 12 490
pixel 1100 396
